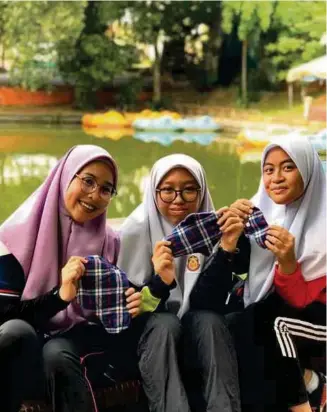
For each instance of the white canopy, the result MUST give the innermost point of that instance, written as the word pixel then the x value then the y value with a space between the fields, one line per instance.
pixel 316 68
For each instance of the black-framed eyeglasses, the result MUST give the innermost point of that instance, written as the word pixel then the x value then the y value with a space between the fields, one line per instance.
pixel 168 195
pixel 90 185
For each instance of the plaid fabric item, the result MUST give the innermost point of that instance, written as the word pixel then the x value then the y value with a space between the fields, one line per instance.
pixel 199 233
pixel 257 226
pixel 102 290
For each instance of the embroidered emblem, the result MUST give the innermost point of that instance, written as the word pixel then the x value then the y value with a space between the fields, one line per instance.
pixel 193 263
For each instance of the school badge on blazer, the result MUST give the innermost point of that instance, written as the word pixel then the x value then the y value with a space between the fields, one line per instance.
pixel 193 263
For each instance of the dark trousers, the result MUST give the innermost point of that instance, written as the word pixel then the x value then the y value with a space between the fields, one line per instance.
pixel 272 355
pixel 157 346
pixel 178 360
pixel 66 357
pixel 19 359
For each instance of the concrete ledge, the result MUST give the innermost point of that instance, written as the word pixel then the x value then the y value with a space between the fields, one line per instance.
pixel 41 118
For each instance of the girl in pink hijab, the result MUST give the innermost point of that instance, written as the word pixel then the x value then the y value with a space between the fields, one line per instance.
pixel 42 247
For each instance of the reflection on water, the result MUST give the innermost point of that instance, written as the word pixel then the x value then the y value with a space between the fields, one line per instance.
pixel 16 169
pixel 27 154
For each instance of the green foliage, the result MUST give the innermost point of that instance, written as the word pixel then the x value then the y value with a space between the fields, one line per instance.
pixel 128 94
pixel 251 16
pixel 300 27
pixel 34 32
pixel 95 59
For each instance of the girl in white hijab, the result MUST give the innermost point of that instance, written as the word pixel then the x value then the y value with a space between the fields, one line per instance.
pixel 176 188
pixel 284 324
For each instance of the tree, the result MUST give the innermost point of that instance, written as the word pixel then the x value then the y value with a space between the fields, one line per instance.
pixel 33 33
pixel 3 6
pixel 300 26
pixel 96 57
pixel 253 18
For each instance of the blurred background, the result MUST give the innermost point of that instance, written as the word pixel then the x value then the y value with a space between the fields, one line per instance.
pixel 215 80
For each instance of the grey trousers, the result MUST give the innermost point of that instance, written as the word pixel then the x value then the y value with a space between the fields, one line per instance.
pixel 19 359
pixel 173 355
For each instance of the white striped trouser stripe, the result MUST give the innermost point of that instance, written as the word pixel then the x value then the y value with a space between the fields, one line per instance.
pixel 285 328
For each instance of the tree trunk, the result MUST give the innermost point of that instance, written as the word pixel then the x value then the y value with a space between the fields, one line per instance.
pixel 156 75
pixel 3 56
pixel 244 72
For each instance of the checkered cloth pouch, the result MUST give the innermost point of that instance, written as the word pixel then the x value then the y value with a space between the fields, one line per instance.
pixel 199 233
pixel 102 290
pixel 257 226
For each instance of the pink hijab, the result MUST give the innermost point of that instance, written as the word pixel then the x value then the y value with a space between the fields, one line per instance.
pixel 42 236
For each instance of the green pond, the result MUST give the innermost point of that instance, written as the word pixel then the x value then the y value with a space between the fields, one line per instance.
pixel 28 152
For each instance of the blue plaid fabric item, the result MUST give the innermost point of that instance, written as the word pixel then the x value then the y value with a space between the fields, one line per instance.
pixel 257 226
pixel 102 290
pixel 199 233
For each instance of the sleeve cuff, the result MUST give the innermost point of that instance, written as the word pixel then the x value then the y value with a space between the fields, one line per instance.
pixel 149 302
pixel 159 288
pixel 281 275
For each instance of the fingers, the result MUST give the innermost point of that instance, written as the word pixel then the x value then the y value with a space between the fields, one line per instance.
pixel 134 304
pixel 230 221
pixel 133 300
pixel 243 206
pixel 131 297
pixel 275 242
pixel 271 247
pixel 221 211
pixel 129 292
pixel 160 244
pixel 225 216
pixel 281 234
pixel 234 227
pixel 244 216
pixel 77 258
pixel 134 312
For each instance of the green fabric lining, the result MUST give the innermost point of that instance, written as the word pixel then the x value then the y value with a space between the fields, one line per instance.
pixel 149 302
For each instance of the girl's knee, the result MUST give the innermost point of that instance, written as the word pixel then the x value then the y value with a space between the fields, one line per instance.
pixel 57 356
pixel 17 330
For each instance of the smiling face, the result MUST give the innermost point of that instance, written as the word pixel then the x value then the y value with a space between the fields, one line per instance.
pixel 83 206
pixel 176 211
pixel 281 177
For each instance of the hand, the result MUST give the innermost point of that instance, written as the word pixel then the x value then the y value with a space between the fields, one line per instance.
pixel 231 226
pixel 281 243
pixel 243 208
pixel 163 261
pixel 70 274
pixel 134 300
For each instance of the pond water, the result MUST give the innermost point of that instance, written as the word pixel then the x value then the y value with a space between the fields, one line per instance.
pixel 28 152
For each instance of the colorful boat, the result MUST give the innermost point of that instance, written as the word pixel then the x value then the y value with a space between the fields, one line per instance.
pixel 167 138
pixel 260 138
pixel 202 123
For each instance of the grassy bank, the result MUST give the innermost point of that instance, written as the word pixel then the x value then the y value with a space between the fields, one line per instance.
pixel 221 104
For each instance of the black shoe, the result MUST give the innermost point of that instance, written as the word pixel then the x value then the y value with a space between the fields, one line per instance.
pixel 317 398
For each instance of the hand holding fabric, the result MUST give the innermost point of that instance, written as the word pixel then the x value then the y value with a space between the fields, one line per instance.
pixel 163 261
pixel 70 274
pixel 133 300
pixel 231 226
pixel 243 208
pixel 282 243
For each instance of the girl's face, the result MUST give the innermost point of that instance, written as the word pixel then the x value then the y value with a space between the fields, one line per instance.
pixel 89 193
pixel 186 202
pixel 281 177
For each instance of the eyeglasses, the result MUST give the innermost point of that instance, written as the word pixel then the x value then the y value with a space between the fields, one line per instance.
pixel 168 195
pixel 89 185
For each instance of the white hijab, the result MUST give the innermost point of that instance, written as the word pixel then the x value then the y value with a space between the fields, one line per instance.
pixel 145 226
pixel 305 219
